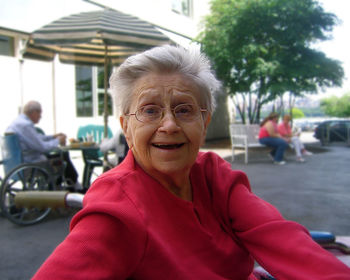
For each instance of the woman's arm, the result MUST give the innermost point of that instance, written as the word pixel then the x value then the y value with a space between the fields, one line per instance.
pixel 98 247
pixel 284 248
pixel 271 130
pixel 36 141
pixel 285 130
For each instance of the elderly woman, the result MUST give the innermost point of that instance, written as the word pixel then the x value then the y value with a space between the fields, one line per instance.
pixel 269 136
pixel 170 212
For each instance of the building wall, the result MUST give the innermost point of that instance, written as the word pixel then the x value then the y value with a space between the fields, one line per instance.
pixel 219 125
pixel 9 90
pixel 53 84
pixel 160 13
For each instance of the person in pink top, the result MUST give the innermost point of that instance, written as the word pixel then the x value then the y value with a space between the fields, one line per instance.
pixel 285 131
pixel 169 211
pixel 269 136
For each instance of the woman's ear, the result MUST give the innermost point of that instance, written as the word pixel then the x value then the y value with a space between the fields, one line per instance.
pixel 207 121
pixel 206 124
pixel 124 125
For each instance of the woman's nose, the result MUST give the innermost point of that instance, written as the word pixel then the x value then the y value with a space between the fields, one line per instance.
pixel 168 123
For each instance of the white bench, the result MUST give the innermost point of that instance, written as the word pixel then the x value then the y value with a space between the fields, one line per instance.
pixel 244 136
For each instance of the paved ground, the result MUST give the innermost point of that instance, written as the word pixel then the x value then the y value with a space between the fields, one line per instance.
pixel 315 194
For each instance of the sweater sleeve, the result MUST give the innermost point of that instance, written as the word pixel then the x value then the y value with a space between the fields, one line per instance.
pixel 284 248
pixel 107 241
pixel 37 142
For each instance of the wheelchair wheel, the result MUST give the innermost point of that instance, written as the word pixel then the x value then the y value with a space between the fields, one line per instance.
pixel 25 177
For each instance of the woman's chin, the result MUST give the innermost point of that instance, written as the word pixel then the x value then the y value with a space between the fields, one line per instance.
pixel 172 167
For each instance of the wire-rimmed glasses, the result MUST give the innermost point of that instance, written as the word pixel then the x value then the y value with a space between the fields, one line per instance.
pixel 154 113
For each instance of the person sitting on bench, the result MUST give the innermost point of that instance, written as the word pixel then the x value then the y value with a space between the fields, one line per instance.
pixel 269 136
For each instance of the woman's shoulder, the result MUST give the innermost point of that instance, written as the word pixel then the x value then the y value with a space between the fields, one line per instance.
pixel 116 181
pixel 269 123
pixel 110 185
pixel 212 159
pixel 115 193
pixel 218 172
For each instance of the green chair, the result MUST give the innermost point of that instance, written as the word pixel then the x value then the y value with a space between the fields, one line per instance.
pixel 92 157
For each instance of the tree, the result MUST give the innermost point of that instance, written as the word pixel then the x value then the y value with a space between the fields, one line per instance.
pixel 261 49
pixel 297 113
pixel 337 106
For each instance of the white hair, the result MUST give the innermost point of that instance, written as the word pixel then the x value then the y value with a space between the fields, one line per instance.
pixel 164 59
pixel 31 106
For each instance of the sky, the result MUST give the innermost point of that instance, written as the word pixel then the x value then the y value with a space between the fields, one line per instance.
pixel 339 46
pixel 29 15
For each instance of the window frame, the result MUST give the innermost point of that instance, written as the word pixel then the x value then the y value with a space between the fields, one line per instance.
pixel 95 92
pixel 10 46
pixel 177 7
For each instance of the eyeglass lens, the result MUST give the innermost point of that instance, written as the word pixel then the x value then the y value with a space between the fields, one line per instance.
pixel 182 112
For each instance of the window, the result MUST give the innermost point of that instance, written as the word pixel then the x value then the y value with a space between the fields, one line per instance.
pixel 101 91
pixel 6 46
pixel 83 82
pixel 90 91
pixel 182 7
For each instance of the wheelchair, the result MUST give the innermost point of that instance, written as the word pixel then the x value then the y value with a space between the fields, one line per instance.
pixel 21 177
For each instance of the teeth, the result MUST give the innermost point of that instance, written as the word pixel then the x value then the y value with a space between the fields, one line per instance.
pixel 168 146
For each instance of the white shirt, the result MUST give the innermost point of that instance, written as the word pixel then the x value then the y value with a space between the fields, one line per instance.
pixel 34 144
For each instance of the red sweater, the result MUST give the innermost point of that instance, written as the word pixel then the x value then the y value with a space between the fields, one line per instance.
pixel 132 227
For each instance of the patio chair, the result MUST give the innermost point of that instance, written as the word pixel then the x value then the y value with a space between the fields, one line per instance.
pixel 92 157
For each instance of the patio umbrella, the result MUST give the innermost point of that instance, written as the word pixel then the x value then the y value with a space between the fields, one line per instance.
pixel 102 38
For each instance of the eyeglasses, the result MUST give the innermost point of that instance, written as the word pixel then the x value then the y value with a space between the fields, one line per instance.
pixel 154 113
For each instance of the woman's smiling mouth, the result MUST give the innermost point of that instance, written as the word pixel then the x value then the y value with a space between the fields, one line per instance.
pixel 168 146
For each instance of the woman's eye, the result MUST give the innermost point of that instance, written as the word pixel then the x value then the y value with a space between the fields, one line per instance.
pixel 184 109
pixel 150 110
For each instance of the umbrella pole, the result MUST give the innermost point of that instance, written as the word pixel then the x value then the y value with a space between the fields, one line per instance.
pixel 53 72
pixel 105 97
pixel 105 108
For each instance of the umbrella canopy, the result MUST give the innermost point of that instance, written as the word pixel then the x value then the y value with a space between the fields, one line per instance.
pixel 104 37
pixel 84 38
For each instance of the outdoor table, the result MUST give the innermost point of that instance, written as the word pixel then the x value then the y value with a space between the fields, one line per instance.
pixel 83 147
pixel 80 146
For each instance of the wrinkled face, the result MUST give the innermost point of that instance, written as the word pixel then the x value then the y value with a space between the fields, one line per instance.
pixel 168 146
pixel 35 116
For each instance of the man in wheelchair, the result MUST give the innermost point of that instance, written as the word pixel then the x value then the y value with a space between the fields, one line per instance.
pixel 38 147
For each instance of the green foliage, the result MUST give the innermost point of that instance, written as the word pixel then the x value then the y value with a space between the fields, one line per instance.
pixel 337 106
pixel 312 112
pixel 297 113
pixel 261 49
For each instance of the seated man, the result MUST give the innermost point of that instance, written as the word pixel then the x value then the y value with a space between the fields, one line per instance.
pixel 35 145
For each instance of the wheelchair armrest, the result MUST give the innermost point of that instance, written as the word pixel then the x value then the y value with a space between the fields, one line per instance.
pixel 322 237
pixel 51 199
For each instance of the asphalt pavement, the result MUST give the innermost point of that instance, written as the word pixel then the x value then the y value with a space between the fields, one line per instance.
pixel 315 194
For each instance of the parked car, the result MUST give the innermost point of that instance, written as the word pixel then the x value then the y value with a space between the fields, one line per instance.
pixel 333 131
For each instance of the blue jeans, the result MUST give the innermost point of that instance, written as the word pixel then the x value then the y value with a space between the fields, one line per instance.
pixel 278 146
